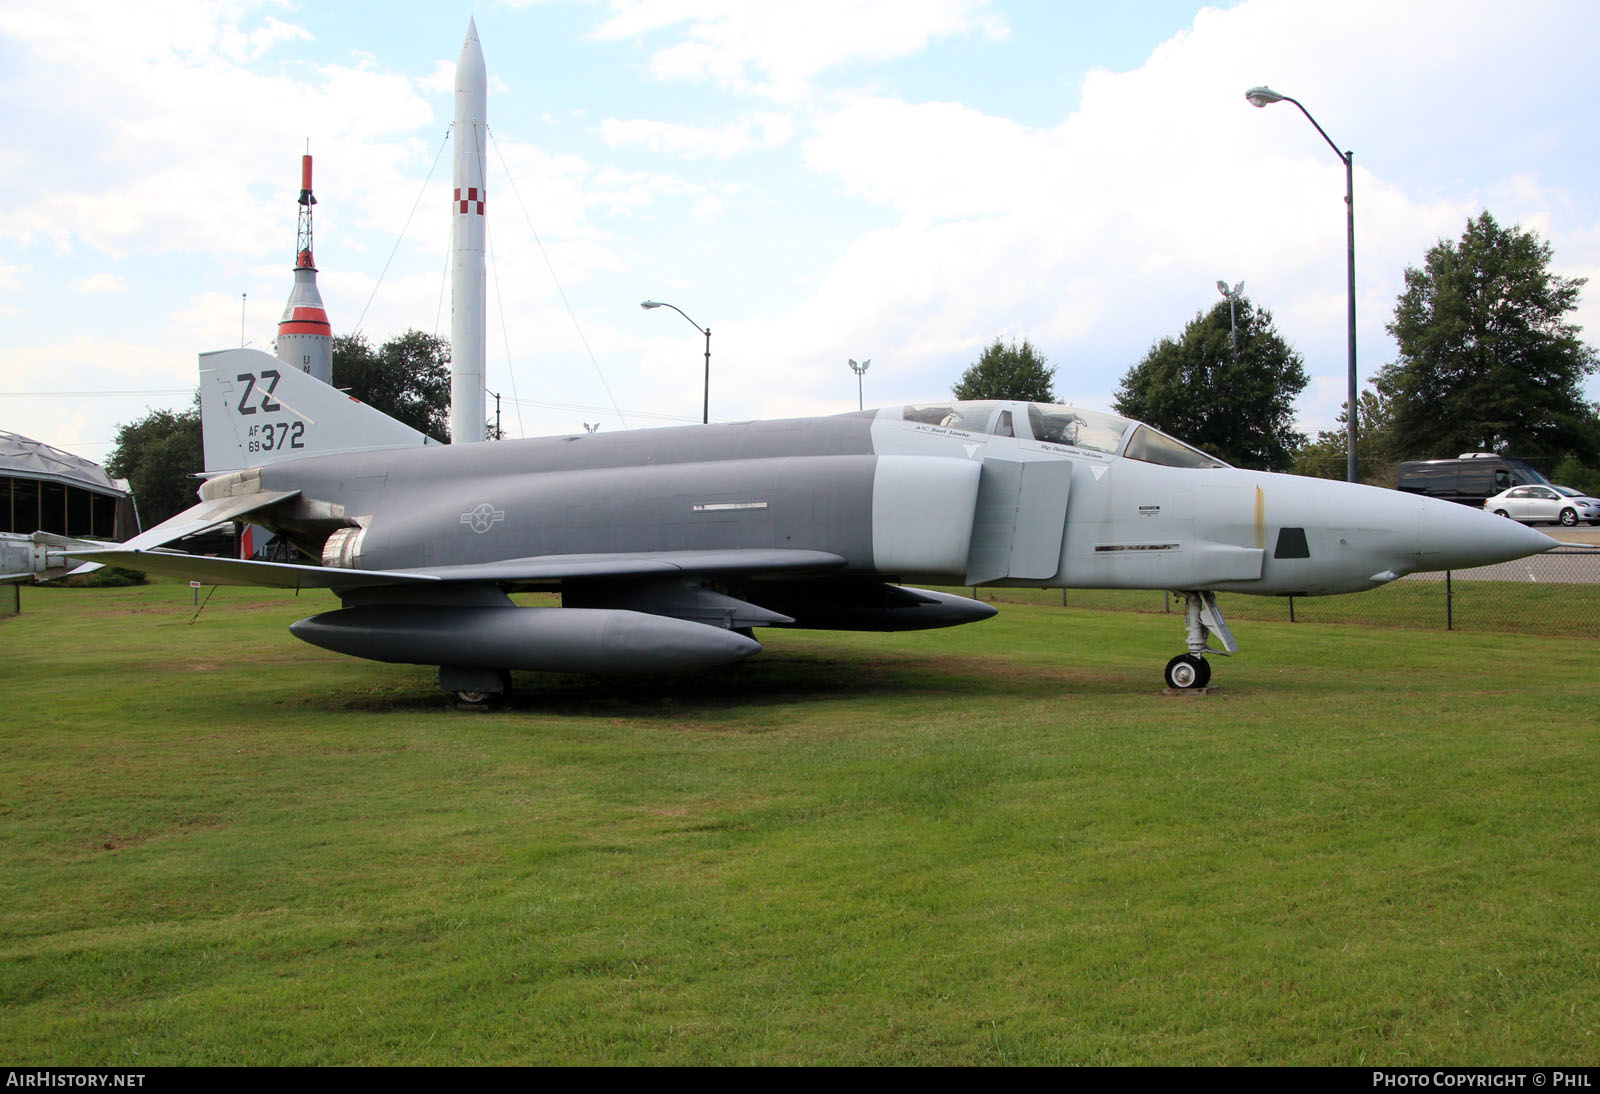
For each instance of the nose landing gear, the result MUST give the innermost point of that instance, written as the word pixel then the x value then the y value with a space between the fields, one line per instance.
pixel 1188 670
pixel 1202 619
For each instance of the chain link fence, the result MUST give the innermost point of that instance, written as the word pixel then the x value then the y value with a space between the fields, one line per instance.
pixel 1550 594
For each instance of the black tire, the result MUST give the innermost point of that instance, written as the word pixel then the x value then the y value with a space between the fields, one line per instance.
pixel 475 698
pixel 1187 671
pixel 1502 513
pixel 1569 518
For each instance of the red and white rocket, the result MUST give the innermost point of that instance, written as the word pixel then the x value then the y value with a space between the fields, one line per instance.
pixel 305 340
pixel 467 308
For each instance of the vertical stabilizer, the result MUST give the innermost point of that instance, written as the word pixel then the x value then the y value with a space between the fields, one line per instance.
pixel 255 411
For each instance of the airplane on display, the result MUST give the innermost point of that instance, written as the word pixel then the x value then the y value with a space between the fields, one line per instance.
pixel 672 547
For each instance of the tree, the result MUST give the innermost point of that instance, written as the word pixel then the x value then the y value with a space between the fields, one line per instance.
pixel 1235 403
pixel 1327 457
pixel 408 378
pixel 1488 358
pixel 1573 472
pixel 158 454
pixel 1008 372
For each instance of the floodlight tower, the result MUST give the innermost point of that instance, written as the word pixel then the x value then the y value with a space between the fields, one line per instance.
pixel 859 370
pixel 1233 318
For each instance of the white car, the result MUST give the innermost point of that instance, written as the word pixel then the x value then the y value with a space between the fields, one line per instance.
pixel 1530 504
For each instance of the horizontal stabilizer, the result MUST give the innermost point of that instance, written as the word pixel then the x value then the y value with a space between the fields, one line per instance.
pixel 206 515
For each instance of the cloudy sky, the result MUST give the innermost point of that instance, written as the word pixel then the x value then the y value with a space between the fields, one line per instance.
pixel 899 180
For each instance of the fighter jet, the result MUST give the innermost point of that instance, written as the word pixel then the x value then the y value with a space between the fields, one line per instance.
pixel 672 547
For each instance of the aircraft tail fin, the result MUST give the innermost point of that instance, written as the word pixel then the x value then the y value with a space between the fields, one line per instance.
pixel 256 410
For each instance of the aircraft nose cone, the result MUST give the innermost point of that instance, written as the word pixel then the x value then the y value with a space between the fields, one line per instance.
pixel 1454 537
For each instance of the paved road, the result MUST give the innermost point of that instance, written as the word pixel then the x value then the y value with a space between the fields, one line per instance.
pixel 1577 561
pixel 1580 535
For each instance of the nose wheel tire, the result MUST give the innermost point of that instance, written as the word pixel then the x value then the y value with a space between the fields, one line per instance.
pixel 1187 671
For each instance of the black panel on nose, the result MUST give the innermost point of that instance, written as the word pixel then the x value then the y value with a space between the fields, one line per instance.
pixel 1292 544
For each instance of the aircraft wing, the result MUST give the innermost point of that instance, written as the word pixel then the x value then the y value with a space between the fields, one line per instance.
pixel 733 561
pixel 243 571
pixel 289 575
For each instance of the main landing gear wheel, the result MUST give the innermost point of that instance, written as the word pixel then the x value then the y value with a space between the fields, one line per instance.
pixel 473 688
pixel 1187 671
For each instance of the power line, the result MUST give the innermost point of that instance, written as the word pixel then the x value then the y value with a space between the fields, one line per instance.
pixel 82 394
pixel 403 229
pixel 657 415
pixel 551 267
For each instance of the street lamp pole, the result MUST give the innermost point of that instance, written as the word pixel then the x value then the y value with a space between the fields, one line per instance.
pixel 705 411
pixel 859 370
pixel 1262 96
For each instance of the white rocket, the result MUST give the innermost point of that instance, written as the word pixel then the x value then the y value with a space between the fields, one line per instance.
pixel 305 339
pixel 467 308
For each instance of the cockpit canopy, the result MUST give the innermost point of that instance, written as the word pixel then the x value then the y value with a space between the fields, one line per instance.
pixel 1068 426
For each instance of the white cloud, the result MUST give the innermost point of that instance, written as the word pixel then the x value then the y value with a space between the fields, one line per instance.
pixel 925 226
pixel 441 81
pixel 242 45
pixel 86 424
pixel 176 165
pixel 1109 228
pixel 777 48
pixel 99 283
pixel 762 130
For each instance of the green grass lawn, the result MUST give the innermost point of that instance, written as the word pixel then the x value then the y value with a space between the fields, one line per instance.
pixel 994 844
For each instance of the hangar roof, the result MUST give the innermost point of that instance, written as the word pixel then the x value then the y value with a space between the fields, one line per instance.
pixel 24 457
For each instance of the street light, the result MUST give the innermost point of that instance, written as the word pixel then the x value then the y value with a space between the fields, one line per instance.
pixel 859 370
pixel 1262 96
pixel 705 413
pixel 1233 320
